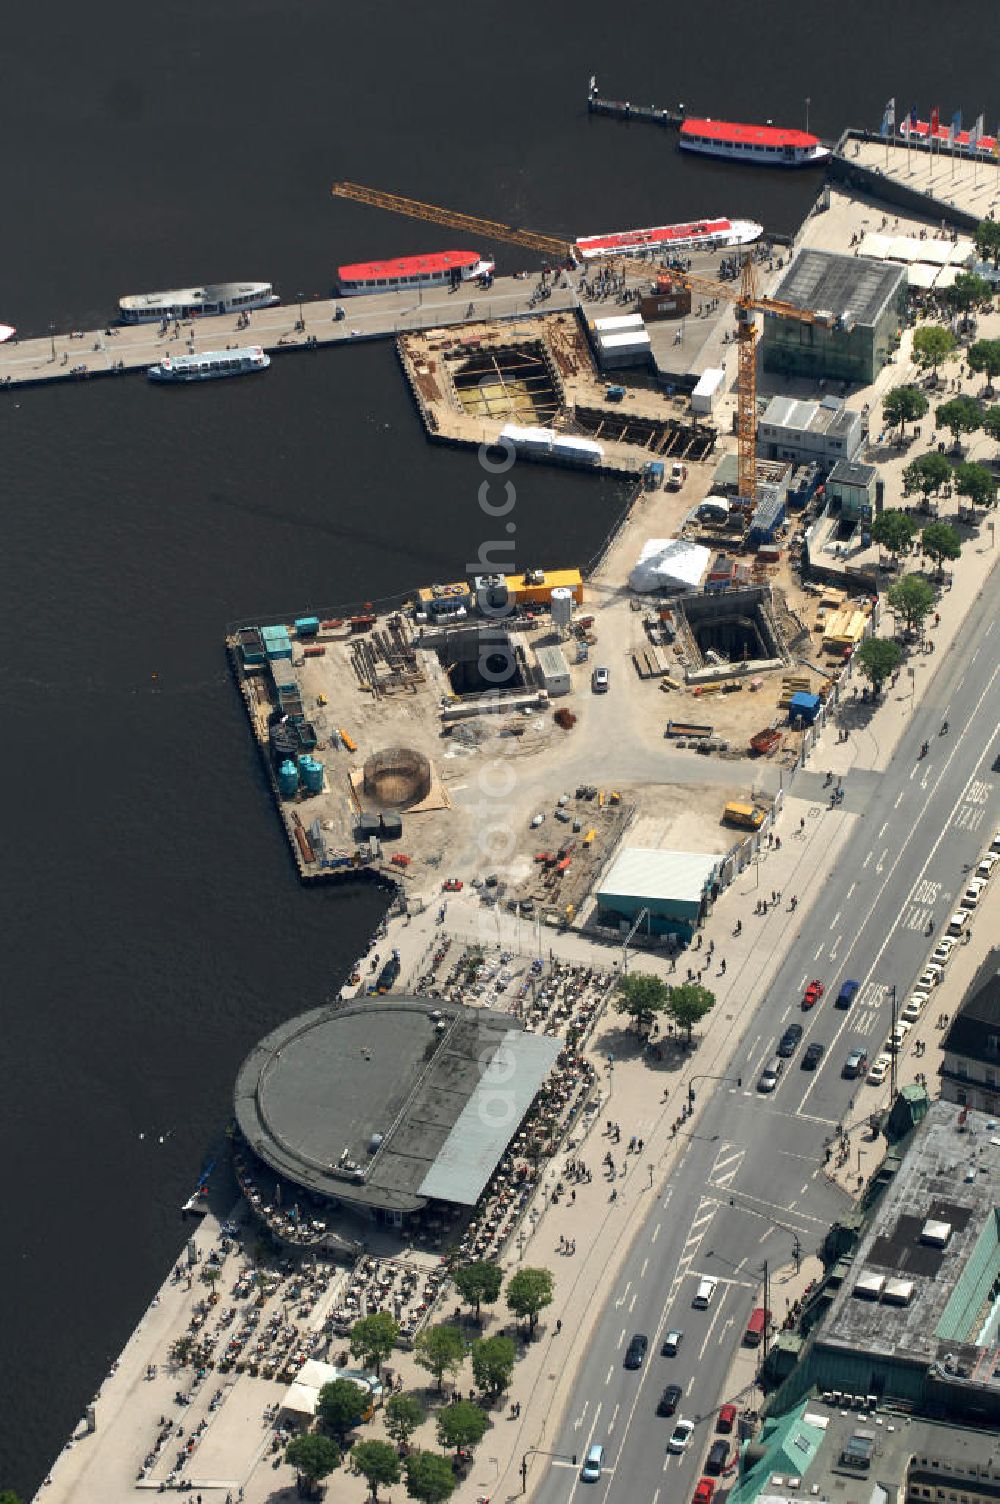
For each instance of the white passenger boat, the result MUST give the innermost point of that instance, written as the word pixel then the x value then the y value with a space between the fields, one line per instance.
pixel 211 365
pixel 763 145
pixel 196 302
pixel 699 235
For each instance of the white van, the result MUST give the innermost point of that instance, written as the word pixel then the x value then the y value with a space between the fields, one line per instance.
pixel 958 921
pixel 592 1464
pixel 705 1291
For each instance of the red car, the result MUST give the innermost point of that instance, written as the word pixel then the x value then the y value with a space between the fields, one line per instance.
pixel 453 885
pixel 703 1492
pixel 813 993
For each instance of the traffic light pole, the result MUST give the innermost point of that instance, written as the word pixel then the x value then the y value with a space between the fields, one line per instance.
pixel 537 1452
pixel 734 1080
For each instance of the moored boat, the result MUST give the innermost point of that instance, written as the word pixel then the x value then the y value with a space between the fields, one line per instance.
pixel 700 234
pixel 196 302
pixel 210 365
pixel 438 269
pixel 763 145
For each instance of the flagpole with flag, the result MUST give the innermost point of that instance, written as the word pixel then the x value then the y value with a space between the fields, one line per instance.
pixel 888 123
pixel 956 126
pixel 935 125
pixel 909 137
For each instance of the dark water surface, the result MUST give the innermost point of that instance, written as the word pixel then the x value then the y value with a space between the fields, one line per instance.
pixel 153 927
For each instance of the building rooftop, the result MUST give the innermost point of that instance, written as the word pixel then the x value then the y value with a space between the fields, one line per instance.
pixel 853 473
pixel 921 1293
pixel 851 288
pixel 830 416
pixel 648 872
pixel 978 1017
pixel 361 1100
pixel 836 1456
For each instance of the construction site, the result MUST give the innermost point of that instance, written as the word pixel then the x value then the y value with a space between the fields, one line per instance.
pixel 536 383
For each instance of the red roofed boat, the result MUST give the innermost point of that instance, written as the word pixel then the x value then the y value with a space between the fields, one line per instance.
pixel 701 234
pixel 438 269
pixel 763 145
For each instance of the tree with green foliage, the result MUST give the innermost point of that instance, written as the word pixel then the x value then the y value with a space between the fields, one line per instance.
pixel 315 1457
pixel 8 1496
pixel 477 1282
pixel 377 1463
pixel 902 405
pixel 960 415
pixel 403 1414
pixel 688 1003
pixel 493 1364
pixel 373 1338
pixel 976 482
pixel 461 1424
pixel 642 996
pixel 341 1405
pixel 991 422
pixel 878 659
pixel 429 1478
pixel 940 541
pixel 968 291
pixel 440 1349
pixel 988 240
pixel 894 530
pixel 929 472
pixel 984 356
pixel 932 343
pixel 911 598
pixel 528 1291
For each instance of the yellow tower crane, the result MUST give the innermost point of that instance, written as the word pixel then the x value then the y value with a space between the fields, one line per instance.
pixel 748 302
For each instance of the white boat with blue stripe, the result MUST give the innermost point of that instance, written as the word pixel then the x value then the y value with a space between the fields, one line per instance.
pixel 211 365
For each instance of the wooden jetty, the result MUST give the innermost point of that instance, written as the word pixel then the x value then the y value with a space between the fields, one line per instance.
pixel 624 109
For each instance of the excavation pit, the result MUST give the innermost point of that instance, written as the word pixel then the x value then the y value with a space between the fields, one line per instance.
pixel 482 660
pixel 512 383
pixel 731 633
pixel 396 777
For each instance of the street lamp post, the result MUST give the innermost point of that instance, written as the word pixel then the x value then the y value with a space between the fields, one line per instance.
pixel 738 1080
pixel 52 337
pixel 807 114
pixel 892 1054
pixel 537 1452
pixel 302 322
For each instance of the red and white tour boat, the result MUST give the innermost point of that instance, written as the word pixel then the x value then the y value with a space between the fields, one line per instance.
pixel 699 235
pixel 763 145
pixel 439 269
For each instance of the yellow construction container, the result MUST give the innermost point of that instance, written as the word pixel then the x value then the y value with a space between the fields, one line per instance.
pixel 348 741
pixel 588 839
pixel 527 592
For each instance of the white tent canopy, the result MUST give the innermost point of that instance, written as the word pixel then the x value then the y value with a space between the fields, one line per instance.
pixel 669 564
pixel 302 1396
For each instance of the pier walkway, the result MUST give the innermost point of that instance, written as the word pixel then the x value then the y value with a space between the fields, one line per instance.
pixel 122 348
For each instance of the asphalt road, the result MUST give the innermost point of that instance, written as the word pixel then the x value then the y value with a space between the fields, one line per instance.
pixel 751 1176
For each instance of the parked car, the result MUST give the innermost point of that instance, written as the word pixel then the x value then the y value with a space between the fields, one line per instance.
pixel 680 1436
pixel 995 843
pixel 854 1065
pixel 600 681
pixel 788 1043
pixel 845 996
pixel 813 993
pixel 878 1070
pixel 987 864
pixel 813 1055
pixel 718 1456
pixel 930 976
pixel 897 1038
pixel 672 1342
pixel 913 1005
pixel 941 954
pixel 669 1399
pixel 958 921
pixel 973 892
pixel 636 1351
pixel 727 1418
pixel 704 1489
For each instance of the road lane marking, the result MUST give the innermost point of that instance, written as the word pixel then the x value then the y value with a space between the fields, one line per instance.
pixel 645 1266
pixel 835 947
pixel 818 954
pixel 711 1325
pixel 805 978
pixel 614 1417
pixel 921 876
pixel 623 1296
pixel 899 800
pixel 631 1304
pixel 885 827
pixel 835 920
pixel 656 1232
pixel 579 1420
pixel 851 889
pixel 610 1372
pixel 867 859
pixel 621 1339
pixel 881 861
